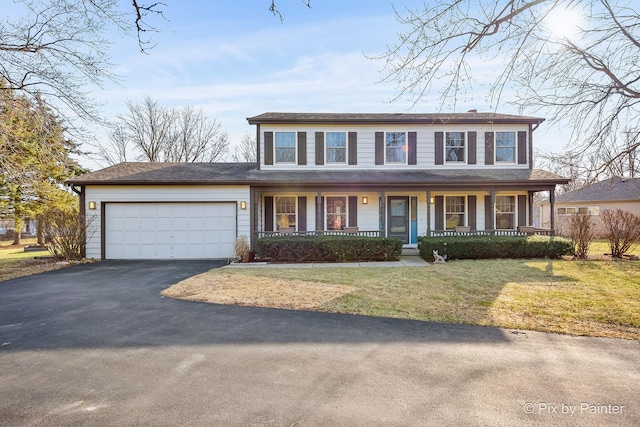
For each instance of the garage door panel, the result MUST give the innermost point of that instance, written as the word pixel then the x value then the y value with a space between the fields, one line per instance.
pixel 169 230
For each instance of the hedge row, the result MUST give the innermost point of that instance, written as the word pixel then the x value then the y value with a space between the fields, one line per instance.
pixel 482 247
pixel 328 248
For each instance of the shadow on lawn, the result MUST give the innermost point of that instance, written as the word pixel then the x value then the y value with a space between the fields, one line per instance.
pixel 118 304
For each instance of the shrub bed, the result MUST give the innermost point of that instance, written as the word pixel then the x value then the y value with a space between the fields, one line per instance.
pixel 483 247
pixel 328 248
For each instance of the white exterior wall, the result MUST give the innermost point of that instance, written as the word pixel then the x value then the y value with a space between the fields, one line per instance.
pixel 425 151
pixel 174 193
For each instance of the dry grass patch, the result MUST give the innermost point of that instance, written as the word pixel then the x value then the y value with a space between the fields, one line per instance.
pixel 256 291
pixel 595 298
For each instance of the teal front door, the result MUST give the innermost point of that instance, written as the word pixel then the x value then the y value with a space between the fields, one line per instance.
pixel 398 218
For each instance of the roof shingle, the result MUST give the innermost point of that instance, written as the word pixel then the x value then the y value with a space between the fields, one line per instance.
pixel 607 190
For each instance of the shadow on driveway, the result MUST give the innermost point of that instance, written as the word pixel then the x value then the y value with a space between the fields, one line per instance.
pixel 118 304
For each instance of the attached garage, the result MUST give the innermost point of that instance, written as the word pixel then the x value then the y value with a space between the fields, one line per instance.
pixel 165 230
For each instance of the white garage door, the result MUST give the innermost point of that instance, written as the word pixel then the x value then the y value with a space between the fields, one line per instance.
pixel 169 230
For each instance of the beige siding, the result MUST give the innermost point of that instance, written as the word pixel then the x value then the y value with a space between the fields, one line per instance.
pixel 100 194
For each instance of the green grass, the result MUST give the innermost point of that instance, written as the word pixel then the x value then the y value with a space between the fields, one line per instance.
pixel 594 298
pixel 15 262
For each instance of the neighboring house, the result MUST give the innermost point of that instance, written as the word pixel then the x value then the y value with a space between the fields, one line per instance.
pixel 613 193
pixel 395 175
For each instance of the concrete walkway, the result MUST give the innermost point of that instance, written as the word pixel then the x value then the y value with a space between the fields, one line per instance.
pixel 405 261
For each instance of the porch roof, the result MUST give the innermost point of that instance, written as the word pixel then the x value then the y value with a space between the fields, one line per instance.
pixel 470 117
pixel 248 174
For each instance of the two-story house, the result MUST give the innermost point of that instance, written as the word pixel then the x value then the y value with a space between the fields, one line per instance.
pixel 394 175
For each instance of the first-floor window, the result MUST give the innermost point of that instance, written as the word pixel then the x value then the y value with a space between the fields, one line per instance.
pixel 585 210
pixel 336 213
pixel 286 211
pixel 336 143
pixel 505 212
pixel 285 147
pixel 454 209
pixel 505 147
pixel 396 148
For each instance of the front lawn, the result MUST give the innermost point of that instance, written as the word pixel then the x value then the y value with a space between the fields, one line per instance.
pixel 15 262
pixel 594 298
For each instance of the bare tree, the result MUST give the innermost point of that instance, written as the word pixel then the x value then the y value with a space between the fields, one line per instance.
pixel 59 48
pixel 197 139
pixel 245 152
pixel 586 78
pixel 156 133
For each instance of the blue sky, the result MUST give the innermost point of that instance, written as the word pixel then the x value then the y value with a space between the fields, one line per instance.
pixel 236 60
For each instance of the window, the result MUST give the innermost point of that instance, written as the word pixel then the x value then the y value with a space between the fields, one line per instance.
pixel 454 211
pixel 336 144
pixel 396 148
pixel 336 213
pixel 505 212
pixel 285 147
pixel 585 210
pixel 505 147
pixel 285 211
pixel 454 147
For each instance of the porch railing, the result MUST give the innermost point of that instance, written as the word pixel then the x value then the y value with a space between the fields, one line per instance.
pixel 431 233
pixel 363 233
pixel 515 233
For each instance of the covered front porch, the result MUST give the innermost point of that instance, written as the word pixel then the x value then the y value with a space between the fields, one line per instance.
pixel 402 213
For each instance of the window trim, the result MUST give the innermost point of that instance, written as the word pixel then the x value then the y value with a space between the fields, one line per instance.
pixel 346 148
pixel 275 148
pixel 326 211
pixel 515 148
pixel 406 148
pixel 275 210
pixel 465 148
pixel 465 213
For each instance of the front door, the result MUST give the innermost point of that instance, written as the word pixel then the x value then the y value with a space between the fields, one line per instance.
pixel 398 218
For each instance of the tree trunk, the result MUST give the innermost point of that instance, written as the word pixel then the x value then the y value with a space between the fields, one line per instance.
pixel 40 229
pixel 17 230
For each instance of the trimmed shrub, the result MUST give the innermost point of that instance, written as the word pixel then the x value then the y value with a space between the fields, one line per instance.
pixel 328 248
pixel 487 247
pixel 582 231
pixel 622 230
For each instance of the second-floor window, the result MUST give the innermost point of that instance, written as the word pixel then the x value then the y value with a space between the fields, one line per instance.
pixel 285 147
pixel 336 147
pixel 396 148
pixel 454 150
pixel 505 147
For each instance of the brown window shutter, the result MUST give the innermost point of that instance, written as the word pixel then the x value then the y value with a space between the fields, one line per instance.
pixel 302 148
pixel 488 213
pixel 522 148
pixel 473 214
pixel 413 143
pixel 353 211
pixel 439 207
pixel 522 210
pixel 319 213
pixel 319 148
pixel 302 213
pixel 473 137
pixel 379 148
pixel 268 148
pixel 439 138
pixel 353 148
pixel 268 213
pixel 488 148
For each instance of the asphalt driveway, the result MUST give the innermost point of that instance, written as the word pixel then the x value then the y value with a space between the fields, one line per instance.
pixel 98 345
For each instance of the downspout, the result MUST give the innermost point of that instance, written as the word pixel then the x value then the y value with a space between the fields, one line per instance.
pixel 81 208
